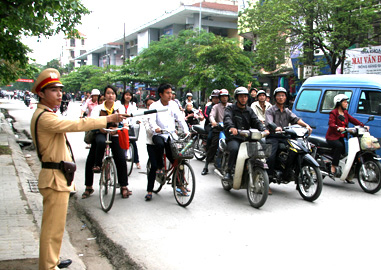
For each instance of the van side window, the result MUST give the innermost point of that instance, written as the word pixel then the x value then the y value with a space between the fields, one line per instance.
pixel 308 100
pixel 328 104
pixel 370 102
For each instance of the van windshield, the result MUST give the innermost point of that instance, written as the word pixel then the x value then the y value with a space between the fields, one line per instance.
pixel 308 100
pixel 328 104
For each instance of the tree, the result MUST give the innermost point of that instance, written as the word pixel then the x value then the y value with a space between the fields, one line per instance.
pixel 32 18
pixel 331 26
pixel 201 61
pixel 85 78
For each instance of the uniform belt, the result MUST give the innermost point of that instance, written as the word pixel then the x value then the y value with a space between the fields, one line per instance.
pixel 51 165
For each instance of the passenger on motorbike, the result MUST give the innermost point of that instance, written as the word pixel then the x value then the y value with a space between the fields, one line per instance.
pixel 336 127
pixel 192 116
pixel 260 106
pixel 238 116
pixel 280 115
pixel 216 116
pixel 208 109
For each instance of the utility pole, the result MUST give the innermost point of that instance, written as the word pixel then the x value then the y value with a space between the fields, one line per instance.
pixel 124 52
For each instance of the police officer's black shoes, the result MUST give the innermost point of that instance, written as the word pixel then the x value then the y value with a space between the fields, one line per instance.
pixel 204 171
pixel 228 177
pixel 64 263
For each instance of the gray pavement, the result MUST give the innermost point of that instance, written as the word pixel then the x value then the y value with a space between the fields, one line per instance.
pixel 21 211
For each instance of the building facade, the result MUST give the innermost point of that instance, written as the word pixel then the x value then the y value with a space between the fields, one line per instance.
pixel 71 49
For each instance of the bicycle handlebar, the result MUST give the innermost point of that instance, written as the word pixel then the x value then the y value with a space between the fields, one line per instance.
pixel 164 131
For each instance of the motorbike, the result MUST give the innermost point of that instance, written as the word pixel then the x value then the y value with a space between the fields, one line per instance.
pixel 200 142
pixel 250 168
pixel 361 162
pixel 27 101
pixel 296 159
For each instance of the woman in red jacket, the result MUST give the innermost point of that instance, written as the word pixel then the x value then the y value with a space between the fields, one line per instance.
pixel 334 136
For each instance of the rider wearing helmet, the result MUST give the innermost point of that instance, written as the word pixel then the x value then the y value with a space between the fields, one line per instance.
pixel 260 106
pixel 208 109
pixel 216 116
pixel 176 100
pixel 334 136
pixel 189 99
pixel 281 116
pixel 238 116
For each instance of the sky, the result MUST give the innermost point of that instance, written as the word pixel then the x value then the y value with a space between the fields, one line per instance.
pixel 104 24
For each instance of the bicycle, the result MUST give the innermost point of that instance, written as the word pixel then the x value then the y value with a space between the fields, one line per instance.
pixel 180 174
pixel 133 134
pixel 107 181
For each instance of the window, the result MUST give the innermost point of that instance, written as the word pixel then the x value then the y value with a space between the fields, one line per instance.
pixel 72 42
pixel 308 100
pixel 72 54
pixel 328 104
pixel 370 102
pixel 82 42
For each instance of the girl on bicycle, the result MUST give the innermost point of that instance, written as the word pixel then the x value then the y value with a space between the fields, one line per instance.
pixel 130 107
pixel 97 149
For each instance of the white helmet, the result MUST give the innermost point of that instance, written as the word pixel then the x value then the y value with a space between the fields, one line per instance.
pixel 240 91
pixel 189 95
pixel 261 92
pixel 95 92
pixel 279 90
pixel 339 98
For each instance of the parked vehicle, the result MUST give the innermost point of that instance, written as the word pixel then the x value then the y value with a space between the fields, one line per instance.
pixel 295 156
pixel 361 162
pixel 315 100
pixel 250 169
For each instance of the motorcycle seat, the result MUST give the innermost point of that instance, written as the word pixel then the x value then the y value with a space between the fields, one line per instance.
pixel 199 129
pixel 319 141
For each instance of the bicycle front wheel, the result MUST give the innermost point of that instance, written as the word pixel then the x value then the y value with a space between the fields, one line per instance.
pixel 107 184
pixel 130 159
pixel 184 184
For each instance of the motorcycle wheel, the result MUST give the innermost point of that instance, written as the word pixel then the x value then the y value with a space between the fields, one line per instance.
pixel 198 146
pixel 310 182
pixel 372 183
pixel 257 187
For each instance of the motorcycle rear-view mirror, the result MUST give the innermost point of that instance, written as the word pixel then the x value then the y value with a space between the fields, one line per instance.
pixel 272 126
pixel 371 118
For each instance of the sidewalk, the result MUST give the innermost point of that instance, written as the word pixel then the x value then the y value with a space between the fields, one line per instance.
pixel 21 211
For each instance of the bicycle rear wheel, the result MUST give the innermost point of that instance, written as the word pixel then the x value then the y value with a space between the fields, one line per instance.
pixel 130 159
pixel 184 184
pixel 107 184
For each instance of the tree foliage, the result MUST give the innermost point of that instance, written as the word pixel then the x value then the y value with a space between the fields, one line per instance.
pixel 85 78
pixel 32 18
pixel 331 26
pixel 200 61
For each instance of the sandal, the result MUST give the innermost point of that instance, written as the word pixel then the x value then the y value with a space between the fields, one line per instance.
pixel 96 169
pixel 182 192
pixel 138 166
pixel 87 193
pixel 148 197
pixel 125 192
pixel 160 172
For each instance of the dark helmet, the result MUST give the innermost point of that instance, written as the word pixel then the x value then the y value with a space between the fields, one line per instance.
pixel 215 93
pixel 280 90
pixel 240 91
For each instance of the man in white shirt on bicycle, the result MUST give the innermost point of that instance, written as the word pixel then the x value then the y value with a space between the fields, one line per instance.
pixel 165 121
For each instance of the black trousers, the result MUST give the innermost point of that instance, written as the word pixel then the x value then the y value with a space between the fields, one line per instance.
pixel 338 149
pixel 212 149
pixel 233 147
pixel 95 156
pixel 153 157
pixel 161 145
pixel 274 141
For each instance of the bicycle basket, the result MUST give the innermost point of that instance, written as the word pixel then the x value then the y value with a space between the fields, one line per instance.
pixel 133 132
pixel 177 147
pixel 259 150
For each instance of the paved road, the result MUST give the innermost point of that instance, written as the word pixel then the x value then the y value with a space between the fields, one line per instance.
pixel 220 230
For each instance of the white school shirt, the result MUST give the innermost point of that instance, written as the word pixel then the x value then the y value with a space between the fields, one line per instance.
pixel 166 120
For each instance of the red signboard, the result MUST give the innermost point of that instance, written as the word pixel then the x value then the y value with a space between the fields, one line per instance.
pixel 25 80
